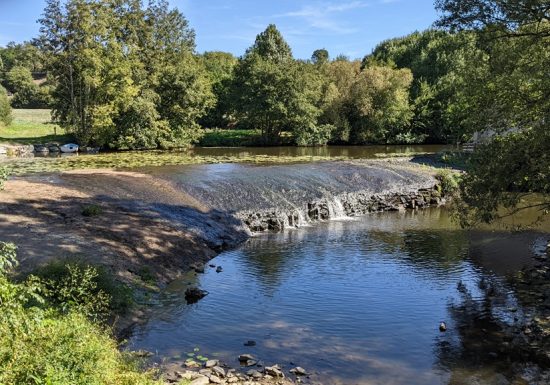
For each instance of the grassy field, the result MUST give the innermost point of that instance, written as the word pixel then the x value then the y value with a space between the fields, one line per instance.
pixel 32 126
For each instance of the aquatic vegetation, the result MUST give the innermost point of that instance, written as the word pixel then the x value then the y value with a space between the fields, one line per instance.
pixel 136 159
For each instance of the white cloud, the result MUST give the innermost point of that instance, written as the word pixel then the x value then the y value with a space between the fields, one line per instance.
pixel 323 16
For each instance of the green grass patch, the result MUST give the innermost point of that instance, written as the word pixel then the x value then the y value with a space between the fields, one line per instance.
pixel 91 211
pixel 229 138
pixel 30 126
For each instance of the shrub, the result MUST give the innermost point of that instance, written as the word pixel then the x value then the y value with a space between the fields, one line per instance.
pixel 314 135
pixel 41 345
pixel 5 108
pixel 4 174
pixel 448 182
pixel 90 290
pixel 91 211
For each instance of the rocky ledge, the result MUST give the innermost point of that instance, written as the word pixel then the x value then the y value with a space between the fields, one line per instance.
pixel 337 207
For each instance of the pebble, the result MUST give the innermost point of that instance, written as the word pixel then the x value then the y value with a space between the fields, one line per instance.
pixel 215 379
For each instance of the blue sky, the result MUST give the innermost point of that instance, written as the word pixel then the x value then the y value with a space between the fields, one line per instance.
pixel 349 27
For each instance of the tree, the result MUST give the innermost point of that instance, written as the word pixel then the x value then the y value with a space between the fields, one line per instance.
pixel 320 56
pixel 220 67
pixel 270 45
pixel 511 101
pixel 19 81
pixel 438 61
pixel 506 17
pixel 380 97
pixel 124 76
pixel 271 91
pixel 5 108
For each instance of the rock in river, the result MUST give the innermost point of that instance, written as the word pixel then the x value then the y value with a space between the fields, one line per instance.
pixel 299 371
pixel 194 294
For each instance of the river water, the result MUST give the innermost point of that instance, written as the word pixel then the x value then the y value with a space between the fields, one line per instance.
pixel 356 301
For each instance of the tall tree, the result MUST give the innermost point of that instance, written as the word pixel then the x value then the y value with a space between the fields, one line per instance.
pixel 124 73
pixel 270 45
pixel 271 91
pixel 511 102
pixel 320 56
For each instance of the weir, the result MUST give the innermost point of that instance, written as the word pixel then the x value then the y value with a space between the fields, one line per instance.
pixel 281 196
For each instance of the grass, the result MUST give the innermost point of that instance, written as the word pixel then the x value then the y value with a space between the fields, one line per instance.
pixel 30 126
pixel 46 339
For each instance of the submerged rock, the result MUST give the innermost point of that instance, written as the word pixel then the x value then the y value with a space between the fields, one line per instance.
pixel 194 294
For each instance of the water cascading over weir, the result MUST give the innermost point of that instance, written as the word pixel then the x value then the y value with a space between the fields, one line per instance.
pixel 276 197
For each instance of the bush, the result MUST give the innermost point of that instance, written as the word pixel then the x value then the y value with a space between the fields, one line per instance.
pixel 5 108
pixel 4 174
pixel 448 182
pixel 314 135
pixel 39 344
pixel 90 290
pixel 91 211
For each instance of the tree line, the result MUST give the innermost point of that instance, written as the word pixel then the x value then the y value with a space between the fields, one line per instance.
pixel 123 75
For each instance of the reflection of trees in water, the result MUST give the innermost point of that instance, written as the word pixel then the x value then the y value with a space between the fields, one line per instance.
pixel 485 343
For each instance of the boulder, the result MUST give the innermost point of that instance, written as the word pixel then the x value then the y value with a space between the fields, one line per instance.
pixel 194 295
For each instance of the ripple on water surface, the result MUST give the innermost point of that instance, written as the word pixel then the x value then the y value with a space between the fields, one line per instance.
pixel 354 301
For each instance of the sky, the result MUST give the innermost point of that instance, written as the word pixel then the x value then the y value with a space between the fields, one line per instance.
pixel 349 27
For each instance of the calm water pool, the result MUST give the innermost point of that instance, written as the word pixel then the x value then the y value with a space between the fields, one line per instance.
pixel 355 302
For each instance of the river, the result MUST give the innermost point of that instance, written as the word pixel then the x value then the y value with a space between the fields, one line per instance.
pixel 357 302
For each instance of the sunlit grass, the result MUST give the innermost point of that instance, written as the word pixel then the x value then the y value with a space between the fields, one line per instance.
pixel 31 126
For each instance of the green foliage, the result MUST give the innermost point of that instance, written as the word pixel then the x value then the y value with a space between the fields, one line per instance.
pixel 271 46
pixel 5 108
pixel 75 286
pixel 4 175
pixel 273 93
pixel 230 138
pixel 91 211
pixel 508 103
pixel 440 64
pixel 448 182
pixel 320 56
pixel 502 16
pixel 125 76
pixel 505 176
pixel 41 344
pixel 316 135
pixel 20 82
pixel 220 67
